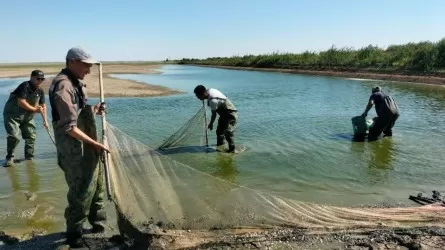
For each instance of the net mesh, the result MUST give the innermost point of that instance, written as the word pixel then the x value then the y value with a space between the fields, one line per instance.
pixel 192 133
pixel 150 188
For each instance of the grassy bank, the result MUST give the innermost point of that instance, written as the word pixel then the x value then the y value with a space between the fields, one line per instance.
pixel 415 59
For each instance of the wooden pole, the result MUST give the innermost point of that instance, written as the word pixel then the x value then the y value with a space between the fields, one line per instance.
pixel 205 124
pixel 47 129
pixel 104 138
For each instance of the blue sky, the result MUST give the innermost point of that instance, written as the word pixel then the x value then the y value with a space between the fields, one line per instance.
pixel 42 31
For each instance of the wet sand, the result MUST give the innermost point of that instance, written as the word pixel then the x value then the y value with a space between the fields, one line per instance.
pixel 113 87
pixel 376 238
pixel 421 79
pixel 416 238
pixel 429 235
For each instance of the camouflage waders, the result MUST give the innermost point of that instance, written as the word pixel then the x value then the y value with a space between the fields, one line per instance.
pixel 84 175
pixel 227 121
pixel 16 120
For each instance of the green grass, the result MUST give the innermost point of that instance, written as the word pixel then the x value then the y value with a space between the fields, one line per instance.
pixel 411 58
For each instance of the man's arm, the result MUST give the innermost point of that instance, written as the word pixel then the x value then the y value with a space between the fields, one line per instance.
pixel 25 105
pixel 21 94
pixel 68 113
pixel 75 132
pixel 213 105
pixel 212 119
pixel 368 107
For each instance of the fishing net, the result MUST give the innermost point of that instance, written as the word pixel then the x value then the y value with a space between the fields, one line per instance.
pixel 192 133
pixel 149 188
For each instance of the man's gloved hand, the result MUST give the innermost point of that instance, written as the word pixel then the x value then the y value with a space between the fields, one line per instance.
pixel 210 126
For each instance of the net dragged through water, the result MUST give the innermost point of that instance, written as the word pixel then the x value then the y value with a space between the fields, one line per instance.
pixel 192 133
pixel 150 188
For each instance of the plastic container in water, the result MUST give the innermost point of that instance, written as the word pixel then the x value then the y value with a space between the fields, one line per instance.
pixel 361 125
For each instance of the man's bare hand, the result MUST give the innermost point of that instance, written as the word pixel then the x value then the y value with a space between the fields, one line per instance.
pixel 38 109
pixel 99 147
pixel 99 108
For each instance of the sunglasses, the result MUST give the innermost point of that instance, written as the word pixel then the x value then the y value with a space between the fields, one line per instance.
pixel 40 79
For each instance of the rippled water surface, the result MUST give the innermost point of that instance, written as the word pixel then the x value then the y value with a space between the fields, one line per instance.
pixel 296 129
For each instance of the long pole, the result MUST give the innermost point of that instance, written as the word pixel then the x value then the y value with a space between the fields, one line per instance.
pixel 205 123
pixel 47 129
pixel 104 138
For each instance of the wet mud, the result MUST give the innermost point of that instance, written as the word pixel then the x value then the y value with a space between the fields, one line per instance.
pixel 384 238
pixel 122 234
pixel 416 238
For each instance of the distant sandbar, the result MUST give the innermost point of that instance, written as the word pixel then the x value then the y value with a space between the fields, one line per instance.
pixel 113 87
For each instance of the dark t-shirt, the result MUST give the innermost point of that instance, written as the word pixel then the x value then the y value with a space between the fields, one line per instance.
pixel 26 89
pixel 384 104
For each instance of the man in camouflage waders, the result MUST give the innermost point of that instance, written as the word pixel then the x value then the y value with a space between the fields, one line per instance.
pixel 387 113
pixel 227 112
pixel 77 151
pixel 18 115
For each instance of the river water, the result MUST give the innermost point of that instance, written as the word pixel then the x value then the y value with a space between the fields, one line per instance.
pixel 296 130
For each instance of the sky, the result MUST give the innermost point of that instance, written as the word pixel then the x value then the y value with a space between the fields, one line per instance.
pixel 43 31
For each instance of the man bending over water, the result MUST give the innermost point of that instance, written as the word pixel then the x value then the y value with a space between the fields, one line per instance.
pixel 387 112
pixel 227 112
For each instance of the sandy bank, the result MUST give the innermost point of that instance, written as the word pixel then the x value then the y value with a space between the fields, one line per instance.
pixel 414 232
pixel 436 80
pixel 377 238
pixel 113 87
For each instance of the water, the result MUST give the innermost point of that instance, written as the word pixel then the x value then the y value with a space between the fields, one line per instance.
pixel 297 131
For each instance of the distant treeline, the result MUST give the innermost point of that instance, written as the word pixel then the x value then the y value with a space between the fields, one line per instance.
pixel 422 57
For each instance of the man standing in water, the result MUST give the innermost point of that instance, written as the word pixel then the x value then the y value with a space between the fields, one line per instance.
pixel 227 112
pixel 82 173
pixel 387 112
pixel 18 115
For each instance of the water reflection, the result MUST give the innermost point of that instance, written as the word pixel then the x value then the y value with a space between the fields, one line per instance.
pixel 14 177
pixel 382 153
pixel 28 210
pixel 33 178
pixel 225 168
pixel 378 157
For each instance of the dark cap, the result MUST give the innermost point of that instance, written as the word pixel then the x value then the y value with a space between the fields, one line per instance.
pixel 376 89
pixel 38 73
pixel 77 53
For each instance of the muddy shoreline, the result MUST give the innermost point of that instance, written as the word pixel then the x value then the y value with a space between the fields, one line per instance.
pixel 416 238
pixel 377 238
pixel 419 79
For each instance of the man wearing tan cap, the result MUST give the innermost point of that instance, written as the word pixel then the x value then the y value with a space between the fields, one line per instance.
pixel 77 152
